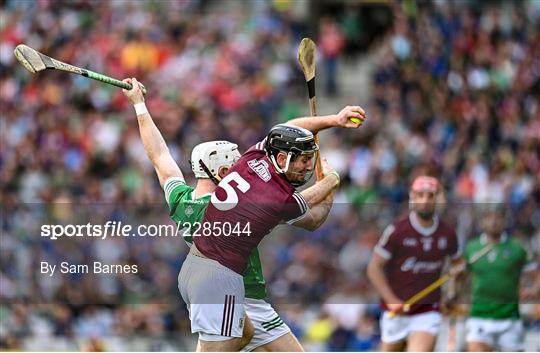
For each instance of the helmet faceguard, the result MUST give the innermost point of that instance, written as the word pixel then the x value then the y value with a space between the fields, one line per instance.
pixel 208 157
pixel 294 141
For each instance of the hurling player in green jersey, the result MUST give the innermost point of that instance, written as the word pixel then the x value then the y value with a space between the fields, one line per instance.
pixel 494 322
pixel 264 329
pixel 186 204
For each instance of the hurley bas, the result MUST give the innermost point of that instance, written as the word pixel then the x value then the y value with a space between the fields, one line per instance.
pixel 96 268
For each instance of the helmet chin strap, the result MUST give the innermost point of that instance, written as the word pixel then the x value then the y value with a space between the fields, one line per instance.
pixel 284 170
pixel 215 178
pixel 276 165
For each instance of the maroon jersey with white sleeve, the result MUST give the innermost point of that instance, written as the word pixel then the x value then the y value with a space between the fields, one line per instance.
pixel 416 257
pixel 253 198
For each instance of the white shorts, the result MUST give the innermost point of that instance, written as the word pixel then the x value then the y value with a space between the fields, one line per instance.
pixel 506 335
pixel 398 328
pixel 267 323
pixel 214 295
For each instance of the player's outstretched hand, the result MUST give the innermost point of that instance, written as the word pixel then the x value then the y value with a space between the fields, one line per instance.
pixel 135 94
pixel 351 117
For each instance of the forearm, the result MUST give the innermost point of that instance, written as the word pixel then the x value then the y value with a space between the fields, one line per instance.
pixel 452 288
pixel 157 150
pixel 320 212
pixel 379 281
pixel 320 190
pixel 153 142
pixel 151 137
pixel 457 278
pixel 316 123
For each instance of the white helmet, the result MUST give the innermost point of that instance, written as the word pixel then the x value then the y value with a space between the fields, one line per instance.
pixel 214 154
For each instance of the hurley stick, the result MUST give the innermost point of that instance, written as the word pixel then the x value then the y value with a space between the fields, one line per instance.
pixel 306 58
pixel 35 61
pixel 433 286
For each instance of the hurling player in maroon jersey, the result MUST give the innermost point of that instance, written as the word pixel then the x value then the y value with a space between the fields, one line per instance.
pixel 258 193
pixel 410 256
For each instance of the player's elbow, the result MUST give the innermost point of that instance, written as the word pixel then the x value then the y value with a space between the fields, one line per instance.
pixel 309 225
pixel 319 215
pixel 314 218
pixel 312 226
pixel 315 223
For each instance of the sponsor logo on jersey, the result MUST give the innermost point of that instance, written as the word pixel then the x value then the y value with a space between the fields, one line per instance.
pixel 442 243
pixel 492 256
pixel 427 243
pixel 410 242
pixel 412 264
pixel 261 168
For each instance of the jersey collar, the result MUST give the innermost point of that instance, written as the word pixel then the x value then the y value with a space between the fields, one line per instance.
pixel 415 223
pixel 484 238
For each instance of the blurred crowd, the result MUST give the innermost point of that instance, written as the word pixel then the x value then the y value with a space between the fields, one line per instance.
pixel 455 92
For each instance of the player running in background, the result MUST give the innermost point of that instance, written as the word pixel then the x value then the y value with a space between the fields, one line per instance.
pixel 410 256
pixel 257 194
pixel 210 162
pixel 494 321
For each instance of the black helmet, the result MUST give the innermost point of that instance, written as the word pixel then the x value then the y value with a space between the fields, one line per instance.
pixel 292 140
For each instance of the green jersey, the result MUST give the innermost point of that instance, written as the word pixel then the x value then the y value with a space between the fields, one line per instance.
pixel 495 278
pixel 188 211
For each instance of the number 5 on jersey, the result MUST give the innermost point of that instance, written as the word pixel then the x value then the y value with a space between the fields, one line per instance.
pixel 232 197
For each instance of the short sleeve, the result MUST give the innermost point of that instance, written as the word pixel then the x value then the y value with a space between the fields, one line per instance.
pixel 175 189
pixel 528 261
pixel 259 146
pixel 295 209
pixel 386 245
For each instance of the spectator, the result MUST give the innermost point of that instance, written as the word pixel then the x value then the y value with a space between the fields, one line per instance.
pixel 332 43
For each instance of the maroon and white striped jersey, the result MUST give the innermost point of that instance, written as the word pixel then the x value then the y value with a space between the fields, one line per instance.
pixel 253 198
pixel 416 257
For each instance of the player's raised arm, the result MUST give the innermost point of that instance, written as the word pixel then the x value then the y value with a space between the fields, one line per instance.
pixel 153 141
pixel 319 198
pixel 350 117
pixel 322 189
pixel 315 216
